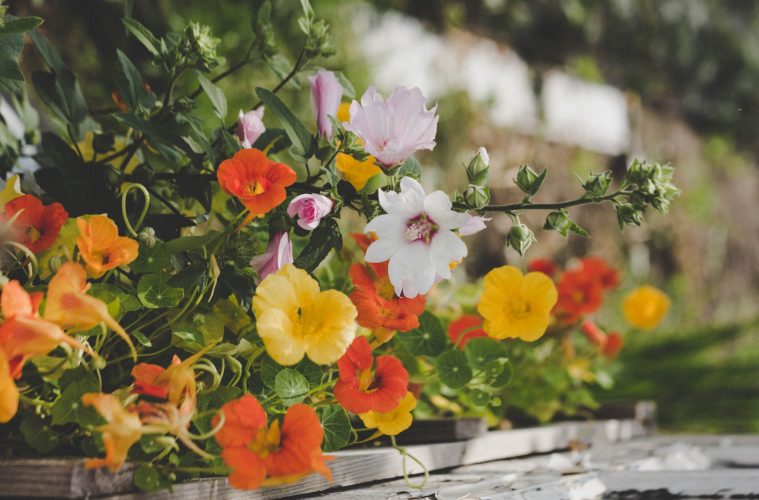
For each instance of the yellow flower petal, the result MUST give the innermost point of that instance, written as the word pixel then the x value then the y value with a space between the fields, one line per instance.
pixel 356 172
pixel 516 306
pixel 333 332
pixel 645 307
pixel 394 421
pixel 282 341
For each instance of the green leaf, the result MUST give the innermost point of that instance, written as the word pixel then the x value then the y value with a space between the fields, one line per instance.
pixel 118 301
pixel 290 386
pixel 69 407
pixel 478 397
pixel 151 259
pixel 427 340
pixel 129 82
pixel 453 369
pixel 11 77
pixel 39 434
pixel 156 132
pixel 142 34
pixel 499 373
pixel 189 337
pixel 214 93
pixel 21 24
pixel 295 130
pixel 190 243
pixel 141 338
pixel 411 167
pixel 336 425
pixel 154 292
pixel 48 52
pixel 147 478
pixel 323 239
pixel 348 91
pixel 480 351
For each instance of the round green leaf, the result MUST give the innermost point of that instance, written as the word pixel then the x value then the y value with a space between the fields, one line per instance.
pixel 39 434
pixel 498 373
pixel 453 369
pixel 291 386
pixel 480 351
pixel 478 397
pixel 336 425
pixel 148 478
pixel 151 259
pixel 427 340
pixel 154 292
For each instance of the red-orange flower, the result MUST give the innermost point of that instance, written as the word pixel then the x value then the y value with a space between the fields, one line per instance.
pixel 544 266
pixel 608 344
pixel 37 225
pixel 464 329
pixel 175 383
pixel 359 390
pixel 262 456
pixel 258 182
pixel 600 271
pixel 580 293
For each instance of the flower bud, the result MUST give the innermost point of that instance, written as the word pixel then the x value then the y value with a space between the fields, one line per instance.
pixel 520 238
pixel 478 170
pixel 477 197
pixel 528 180
pixel 597 184
pixel 147 237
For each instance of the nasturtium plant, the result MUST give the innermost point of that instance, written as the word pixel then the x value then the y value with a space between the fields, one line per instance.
pixel 203 290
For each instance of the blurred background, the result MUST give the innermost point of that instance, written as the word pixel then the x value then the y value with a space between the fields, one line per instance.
pixel 570 86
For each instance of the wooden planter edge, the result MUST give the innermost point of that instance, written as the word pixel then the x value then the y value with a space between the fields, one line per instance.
pixel 67 478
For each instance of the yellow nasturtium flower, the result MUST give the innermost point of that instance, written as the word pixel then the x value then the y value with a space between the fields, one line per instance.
pixel 393 422
pixel 645 307
pixel 516 305
pixel 356 172
pixel 294 318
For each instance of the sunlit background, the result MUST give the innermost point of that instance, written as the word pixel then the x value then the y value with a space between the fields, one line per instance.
pixel 570 86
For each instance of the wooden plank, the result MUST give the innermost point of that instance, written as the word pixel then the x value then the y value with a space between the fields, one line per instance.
pixel 68 479
pixel 720 483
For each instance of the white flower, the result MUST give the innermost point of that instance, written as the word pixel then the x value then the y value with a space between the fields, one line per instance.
pixel 416 236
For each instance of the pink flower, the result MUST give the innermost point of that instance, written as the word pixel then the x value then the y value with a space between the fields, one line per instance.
pixel 310 208
pixel 473 225
pixel 279 252
pixel 250 126
pixel 326 93
pixel 395 128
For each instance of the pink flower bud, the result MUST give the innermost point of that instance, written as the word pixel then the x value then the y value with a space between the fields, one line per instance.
pixel 326 93
pixel 310 209
pixel 279 252
pixel 250 126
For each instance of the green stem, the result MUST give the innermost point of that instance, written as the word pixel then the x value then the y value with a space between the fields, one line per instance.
pixel 515 207
pixel 145 207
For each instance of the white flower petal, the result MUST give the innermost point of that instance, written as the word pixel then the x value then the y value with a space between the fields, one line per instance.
pixel 410 270
pixel 438 207
pixel 445 248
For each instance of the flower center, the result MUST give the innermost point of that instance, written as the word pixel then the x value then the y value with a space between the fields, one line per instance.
pixel 33 234
pixel 365 381
pixel 266 441
pixel 420 228
pixel 517 308
pixel 255 187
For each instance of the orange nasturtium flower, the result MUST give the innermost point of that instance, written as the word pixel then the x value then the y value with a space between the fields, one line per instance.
pixel 123 428
pixel 359 390
pixel 261 456
pixel 35 225
pixel 101 246
pixel 374 297
pixel 23 334
pixel 255 180
pixel 645 307
pixel 294 318
pixel 516 305
pixel 608 344
pixel 175 383
pixel 393 422
pixel 69 306
pixel 580 293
